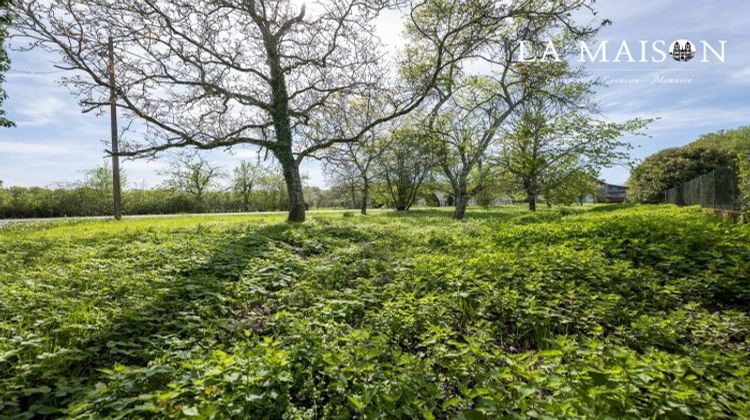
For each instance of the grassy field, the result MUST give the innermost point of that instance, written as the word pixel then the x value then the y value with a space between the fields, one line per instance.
pixel 622 312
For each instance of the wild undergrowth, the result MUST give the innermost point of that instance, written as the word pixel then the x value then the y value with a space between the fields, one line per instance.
pixel 611 312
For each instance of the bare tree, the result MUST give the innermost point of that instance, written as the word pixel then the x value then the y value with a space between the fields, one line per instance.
pixel 355 164
pixel 217 73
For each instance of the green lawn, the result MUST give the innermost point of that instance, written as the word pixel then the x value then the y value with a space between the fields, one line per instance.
pixel 611 311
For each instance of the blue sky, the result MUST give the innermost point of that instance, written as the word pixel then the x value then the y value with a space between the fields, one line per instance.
pixel 54 142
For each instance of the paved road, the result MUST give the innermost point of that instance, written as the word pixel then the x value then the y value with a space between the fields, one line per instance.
pixel 149 216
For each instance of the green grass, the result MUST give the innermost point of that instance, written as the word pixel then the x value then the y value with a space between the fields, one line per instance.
pixel 612 311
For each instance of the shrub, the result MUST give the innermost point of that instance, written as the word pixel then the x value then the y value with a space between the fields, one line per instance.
pixel 671 167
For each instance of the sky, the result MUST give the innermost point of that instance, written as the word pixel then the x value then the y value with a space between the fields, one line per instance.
pixel 54 143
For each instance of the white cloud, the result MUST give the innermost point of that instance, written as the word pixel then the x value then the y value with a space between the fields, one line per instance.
pixel 687 118
pixel 41 111
pixel 27 148
pixel 741 75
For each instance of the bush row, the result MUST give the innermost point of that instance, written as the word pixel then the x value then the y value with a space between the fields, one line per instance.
pixel 17 202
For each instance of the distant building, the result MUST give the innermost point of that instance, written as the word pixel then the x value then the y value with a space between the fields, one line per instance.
pixel 609 193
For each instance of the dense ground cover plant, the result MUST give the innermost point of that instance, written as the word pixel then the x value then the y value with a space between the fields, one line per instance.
pixel 620 312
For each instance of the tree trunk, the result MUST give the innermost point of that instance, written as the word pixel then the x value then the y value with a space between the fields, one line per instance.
pixel 365 196
pixel 353 192
pixel 290 168
pixel 246 201
pixel 532 201
pixel 462 199
pixel 461 204
pixel 530 186
pixel 283 127
pixel 401 204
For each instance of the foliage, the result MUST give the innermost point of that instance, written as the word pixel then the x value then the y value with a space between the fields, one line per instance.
pixel 743 175
pixel 609 313
pixel 35 202
pixel 571 188
pixel 548 147
pixel 5 20
pixel 100 178
pixel 405 164
pixel 736 140
pixel 245 177
pixel 471 108
pixel 192 174
pixel 671 167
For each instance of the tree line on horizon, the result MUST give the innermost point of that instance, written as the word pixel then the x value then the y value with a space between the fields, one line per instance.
pixel 192 184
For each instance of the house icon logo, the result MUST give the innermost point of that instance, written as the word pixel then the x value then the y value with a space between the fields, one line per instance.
pixel 682 50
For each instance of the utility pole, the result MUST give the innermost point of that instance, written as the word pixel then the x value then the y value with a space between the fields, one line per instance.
pixel 116 188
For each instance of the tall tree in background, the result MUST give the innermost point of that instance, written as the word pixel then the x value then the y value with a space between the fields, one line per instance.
pixel 550 144
pixel 356 162
pixel 343 174
pixel 5 19
pixel 405 164
pixel 100 179
pixel 470 107
pixel 192 174
pixel 246 177
pixel 213 74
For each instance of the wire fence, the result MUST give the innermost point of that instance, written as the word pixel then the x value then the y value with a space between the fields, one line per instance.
pixel 718 189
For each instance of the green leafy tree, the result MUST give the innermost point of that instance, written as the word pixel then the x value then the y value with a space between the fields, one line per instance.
pixel 272 193
pixel 548 146
pixel 671 167
pixel 573 186
pixel 743 175
pixel 193 175
pixel 245 178
pixel 315 197
pixel 100 178
pixel 470 107
pixel 405 164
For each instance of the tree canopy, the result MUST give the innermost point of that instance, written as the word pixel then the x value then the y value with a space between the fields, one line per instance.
pixel 670 167
pixel 5 19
